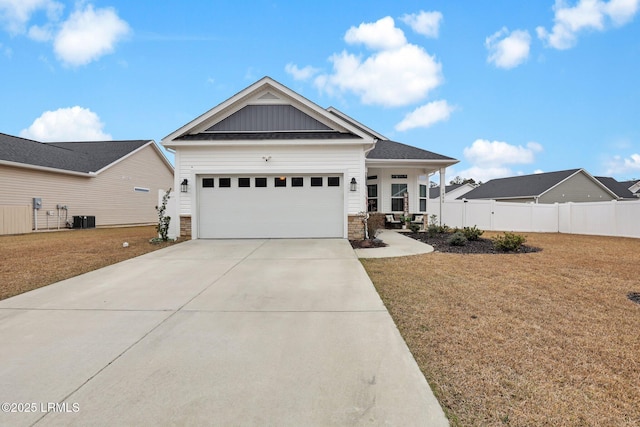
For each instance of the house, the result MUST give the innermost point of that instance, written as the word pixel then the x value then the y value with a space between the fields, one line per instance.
pixel 574 185
pixel 269 163
pixel 621 189
pixel 117 182
pixel 452 191
pixel 633 186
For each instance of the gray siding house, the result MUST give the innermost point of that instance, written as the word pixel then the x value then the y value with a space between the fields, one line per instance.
pixel 573 185
pixel 115 181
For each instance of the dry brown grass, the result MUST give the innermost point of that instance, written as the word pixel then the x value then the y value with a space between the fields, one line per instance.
pixel 547 338
pixel 30 261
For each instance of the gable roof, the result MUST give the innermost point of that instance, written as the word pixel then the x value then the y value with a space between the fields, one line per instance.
pixel 434 192
pixel 621 189
pixel 266 110
pixel 82 157
pixel 524 186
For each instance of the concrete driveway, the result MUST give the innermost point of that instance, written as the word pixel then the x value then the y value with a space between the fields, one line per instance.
pixel 212 332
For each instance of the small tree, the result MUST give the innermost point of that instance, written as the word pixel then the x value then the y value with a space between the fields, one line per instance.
pixel 163 220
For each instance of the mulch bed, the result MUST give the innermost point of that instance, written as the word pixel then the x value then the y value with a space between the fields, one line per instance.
pixel 480 246
pixel 370 243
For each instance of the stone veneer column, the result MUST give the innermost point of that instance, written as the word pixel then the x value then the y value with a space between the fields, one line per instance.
pixel 185 227
pixel 355 228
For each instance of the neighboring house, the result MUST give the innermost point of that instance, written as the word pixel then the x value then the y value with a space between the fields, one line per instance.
pixel 574 185
pixel 269 163
pixel 621 189
pixel 633 186
pixel 452 192
pixel 117 182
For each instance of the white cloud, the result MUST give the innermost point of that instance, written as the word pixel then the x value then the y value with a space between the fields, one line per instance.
pixel 425 23
pixel 304 73
pixel 491 159
pixel 619 166
pixel 379 35
pixel 426 115
pixel 398 73
pixel 508 50
pixel 593 15
pixel 15 14
pixel 89 34
pixel 66 124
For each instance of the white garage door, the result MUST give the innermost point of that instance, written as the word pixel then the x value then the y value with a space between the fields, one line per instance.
pixel 270 206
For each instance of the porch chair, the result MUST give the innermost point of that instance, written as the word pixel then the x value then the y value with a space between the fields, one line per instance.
pixel 390 219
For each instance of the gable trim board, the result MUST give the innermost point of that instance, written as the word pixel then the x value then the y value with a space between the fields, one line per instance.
pixel 268 130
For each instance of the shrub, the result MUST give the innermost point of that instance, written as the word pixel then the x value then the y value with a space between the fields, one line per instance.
pixel 375 223
pixel 509 242
pixel 472 233
pixel 414 227
pixel 457 239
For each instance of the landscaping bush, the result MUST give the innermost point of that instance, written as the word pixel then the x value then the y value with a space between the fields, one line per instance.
pixel 414 227
pixel 472 233
pixel 375 223
pixel 509 242
pixel 457 239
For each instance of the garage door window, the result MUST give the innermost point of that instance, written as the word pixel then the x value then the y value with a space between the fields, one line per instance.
pixel 244 182
pixel 207 182
pixel 333 181
pixel 297 181
pixel 316 181
pixel 280 181
pixel 261 182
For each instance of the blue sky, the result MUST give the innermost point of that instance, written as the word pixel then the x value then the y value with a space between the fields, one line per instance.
pixel 507 87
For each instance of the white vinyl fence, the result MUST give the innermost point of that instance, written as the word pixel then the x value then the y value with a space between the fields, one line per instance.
pixel 615 218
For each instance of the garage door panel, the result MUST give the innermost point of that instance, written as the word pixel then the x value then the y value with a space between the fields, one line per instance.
pixel 271 212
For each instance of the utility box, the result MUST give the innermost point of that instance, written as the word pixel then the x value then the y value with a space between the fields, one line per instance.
pixel 37 203
pixel 84 221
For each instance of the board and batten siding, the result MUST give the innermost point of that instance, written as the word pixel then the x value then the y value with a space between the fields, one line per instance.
pixel 110 196
pixel 284 159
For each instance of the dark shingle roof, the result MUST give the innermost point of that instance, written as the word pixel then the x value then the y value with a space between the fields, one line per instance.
pixel 85 156
pixel 235 136
pixel 392 150
pixel 620 188
pixel 519 186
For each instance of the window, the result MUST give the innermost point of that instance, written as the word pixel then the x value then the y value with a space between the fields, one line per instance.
pixel 399 176
pixel 244 182
pixel 207 182
pixel 297 181
pixel 397 197
pixel 141 189
pixel 333 181
pixel 224 182
pixel 261 182
pixel 316 181
pixel 372 197
pixel 280 181
pixel 423 198
pixel 372 177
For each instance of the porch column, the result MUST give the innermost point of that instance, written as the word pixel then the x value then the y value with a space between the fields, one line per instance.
pixel 443 184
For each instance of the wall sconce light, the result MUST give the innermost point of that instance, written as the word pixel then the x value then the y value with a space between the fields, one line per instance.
pixel 184 187
pixel 353 184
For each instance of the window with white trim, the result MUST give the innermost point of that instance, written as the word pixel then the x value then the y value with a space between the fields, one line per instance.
pixel 397 197
pixel 372 197
pixel 423 198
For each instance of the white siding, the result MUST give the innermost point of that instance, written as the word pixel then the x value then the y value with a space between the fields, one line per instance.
pixel 347 160
pixel 384 182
